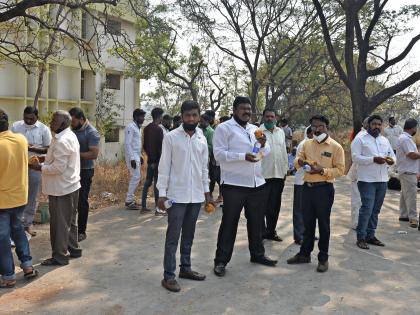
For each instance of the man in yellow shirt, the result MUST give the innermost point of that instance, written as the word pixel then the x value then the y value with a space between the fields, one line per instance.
pixel 14 196
pixel 323 160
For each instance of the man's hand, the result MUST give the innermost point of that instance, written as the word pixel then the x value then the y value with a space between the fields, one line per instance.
pixel 209 199
pixel 300 162
pixel 262 140
pixel 379 160
pixel 315 169
pixel 133 164
pixel 35 166
pixel 250 158
pixel 389 160
pixel 161 203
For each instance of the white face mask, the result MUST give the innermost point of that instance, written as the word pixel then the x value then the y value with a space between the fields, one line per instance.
pixel 321 137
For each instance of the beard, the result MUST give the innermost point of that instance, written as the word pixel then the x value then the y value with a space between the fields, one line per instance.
pixel 189 127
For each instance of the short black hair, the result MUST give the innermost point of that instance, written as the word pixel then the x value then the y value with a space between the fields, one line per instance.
pixel 77 112
pixel 167 117
pixel 241 100
pixel 320 118
pixel 210 113
pixel 392 117
pixel 224 118
pixel 30 110
pixel 157 112
pixel 4 121
pixel 375 116
pixel 410 124
pixel 308 130
pixel 189 105
pixel 269 109
pixel 284 120
pixel 207 117
pixel 138 112
pixel 177 118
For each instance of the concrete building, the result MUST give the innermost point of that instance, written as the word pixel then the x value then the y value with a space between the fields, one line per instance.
pixel 69 83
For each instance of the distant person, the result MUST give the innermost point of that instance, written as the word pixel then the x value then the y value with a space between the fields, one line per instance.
pixel 132 144
pixel 243 185
pixel 183 178
pixel 212 114
pixel 153 137
pixel 298 224
pixel 89 139
pixel 176 122
pixel 166 124
pixel 324 158
pixel 287 132
pixel 223 119
pixel 408 169
pixel 392 133
pixel 38 136
pixel 372 153
pixel 274 170
pixel 14 196
pixel 61 182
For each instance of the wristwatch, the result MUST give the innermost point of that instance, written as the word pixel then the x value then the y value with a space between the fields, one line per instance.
pixel 322 172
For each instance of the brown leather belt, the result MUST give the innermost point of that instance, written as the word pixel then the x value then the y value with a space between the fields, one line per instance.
pixel 315 184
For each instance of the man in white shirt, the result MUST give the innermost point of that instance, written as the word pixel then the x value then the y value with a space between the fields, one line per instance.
pixel 166 124
pixel 132 144
pixel 39 139
pixel 242 185
pixel 61 182
pixel 274 170
pixel 408 169
pixel 392 133
pixel 371 152
pixel 183 179
pixel 298 224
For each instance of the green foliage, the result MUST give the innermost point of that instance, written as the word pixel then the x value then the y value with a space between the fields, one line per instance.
pixel 106 111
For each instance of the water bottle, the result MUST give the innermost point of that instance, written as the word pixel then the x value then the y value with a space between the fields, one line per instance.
pixel 307 168
pixel 256 149
pixel 168 203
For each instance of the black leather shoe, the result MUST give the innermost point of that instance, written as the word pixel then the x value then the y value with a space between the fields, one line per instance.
pixel 403 219
pixel 192 275
pixel 299 259
pixel 274 237
pixel 264 260
pixel 219 269
pixel 298 242
pixel 322 266
pixel 171 285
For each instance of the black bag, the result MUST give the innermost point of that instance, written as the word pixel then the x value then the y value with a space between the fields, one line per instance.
pixel 394 184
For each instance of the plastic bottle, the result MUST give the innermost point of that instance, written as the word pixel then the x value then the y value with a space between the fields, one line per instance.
pixel 307 168
pixel 256 151
pixel 168 203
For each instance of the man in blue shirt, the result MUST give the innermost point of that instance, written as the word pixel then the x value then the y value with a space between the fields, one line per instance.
pixel 89 139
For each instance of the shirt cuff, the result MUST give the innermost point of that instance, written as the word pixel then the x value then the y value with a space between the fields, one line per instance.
pixel 162 193
pixel 242 156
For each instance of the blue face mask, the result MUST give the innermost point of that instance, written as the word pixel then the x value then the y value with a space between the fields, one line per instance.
pixel 270 124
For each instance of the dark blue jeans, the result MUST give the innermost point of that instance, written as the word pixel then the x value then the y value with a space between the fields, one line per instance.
pixel 11 226
pixel 151 177
pixel 181 216
pixel 372 196
pixel 298 225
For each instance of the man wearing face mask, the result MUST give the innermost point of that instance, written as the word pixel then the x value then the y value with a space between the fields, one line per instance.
pixel 408 169
pixel 61 182
pixel 274 170
pixel 371 152
pixel 39 139
pixel 242 185
pixel 132 144
pixel 325 158
pixel 89 139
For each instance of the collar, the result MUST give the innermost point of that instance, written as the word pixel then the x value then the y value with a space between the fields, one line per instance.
pixel 233 122
pixel 407 134
pixel 198 132
pixel 59 135
pixel 84 125
pixel 262 127
pixel 5 133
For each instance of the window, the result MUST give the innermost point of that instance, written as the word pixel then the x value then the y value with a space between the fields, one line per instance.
pixel 112 135
pixel 82 85
pixel 84 25
pixel 113 27
pixel 113 81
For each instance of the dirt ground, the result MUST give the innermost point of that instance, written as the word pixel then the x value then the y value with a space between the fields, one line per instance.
pixel 121 270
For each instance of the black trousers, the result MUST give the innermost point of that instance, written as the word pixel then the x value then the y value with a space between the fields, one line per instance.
pixel 86 176
pixel 214 174
pixel 274 189
pixel 234 199
pixel 317 204
pixel 298 225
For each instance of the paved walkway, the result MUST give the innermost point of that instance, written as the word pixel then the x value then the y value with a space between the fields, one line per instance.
pixel 121 269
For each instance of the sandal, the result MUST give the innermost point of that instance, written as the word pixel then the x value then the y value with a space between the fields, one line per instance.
pixel 362 244
pixel 375 241
pixel 7 284
pixel 30 273
pixel 51 262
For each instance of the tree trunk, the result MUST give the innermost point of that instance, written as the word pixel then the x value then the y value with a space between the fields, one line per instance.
pixel 41 73
pixel 254 96
pixel 360 109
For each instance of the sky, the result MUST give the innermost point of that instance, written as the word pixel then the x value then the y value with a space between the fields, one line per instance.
pixel 399 44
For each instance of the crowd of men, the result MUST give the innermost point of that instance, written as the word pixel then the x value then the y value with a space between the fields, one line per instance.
pixel 186 156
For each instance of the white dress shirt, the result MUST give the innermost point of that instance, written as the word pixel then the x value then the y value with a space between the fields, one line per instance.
pixel 406 145
pixel 132 142
pixel 38 134
pixel 363 149
pixel 275 165
pixel 165 130
pixel 231 142
pixel 183 167
pixel 392 134
pixel 300 172
pixel 61 169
